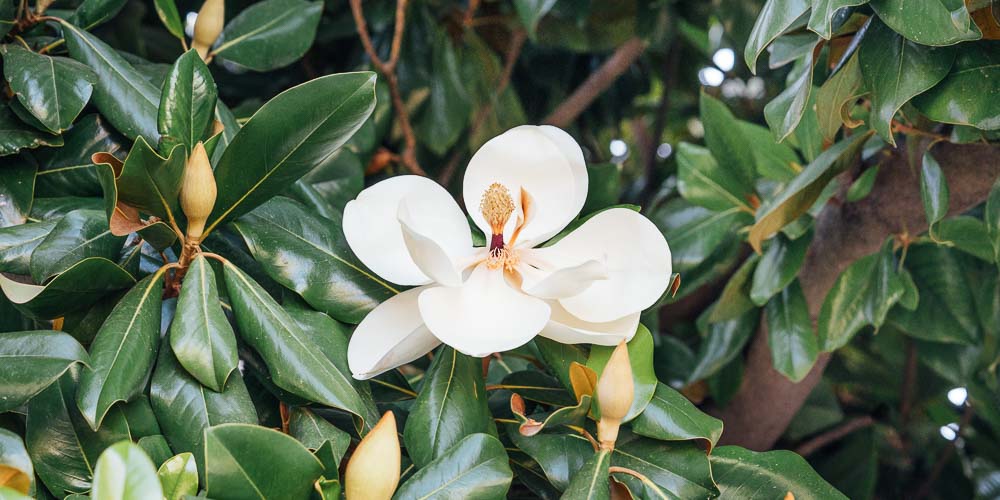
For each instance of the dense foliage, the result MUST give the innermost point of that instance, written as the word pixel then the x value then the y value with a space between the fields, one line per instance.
pixel 828 207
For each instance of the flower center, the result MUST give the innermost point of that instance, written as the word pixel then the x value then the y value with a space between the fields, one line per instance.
pixel 497 206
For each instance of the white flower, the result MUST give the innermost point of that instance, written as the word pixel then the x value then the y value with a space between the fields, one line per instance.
pixel 521 188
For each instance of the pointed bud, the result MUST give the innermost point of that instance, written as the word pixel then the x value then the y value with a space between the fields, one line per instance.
pixel 615 392
pixel 208 26
pixel 373 471
pixel 197 191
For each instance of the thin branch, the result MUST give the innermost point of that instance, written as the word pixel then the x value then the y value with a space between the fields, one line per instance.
pixel 946 455
pixel 513 52
pixel 388 70
pixel 470 12
pixel 597 83
pixel 833 435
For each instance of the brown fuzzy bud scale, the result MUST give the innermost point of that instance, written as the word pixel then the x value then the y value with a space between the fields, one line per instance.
pixel 198 191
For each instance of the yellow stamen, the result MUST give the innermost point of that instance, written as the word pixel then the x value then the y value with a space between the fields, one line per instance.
pixel 502 258
pixel 497 206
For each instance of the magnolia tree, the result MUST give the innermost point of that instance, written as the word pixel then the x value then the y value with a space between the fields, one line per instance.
pixel 296 249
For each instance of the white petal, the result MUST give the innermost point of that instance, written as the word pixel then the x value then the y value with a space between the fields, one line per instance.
pixel 574 155
pixel 429 257
pixel 392 335
pixel 560 283
pixel 371 226
pixel 637 259
pixel 568 329
pixel 525 157
pixel 484 315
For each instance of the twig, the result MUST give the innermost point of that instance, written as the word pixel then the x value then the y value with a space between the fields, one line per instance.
pixel 946 455
pixel 388 70
pixel 835 434
pixel 596 83
pixel 513 52
pixel 470 12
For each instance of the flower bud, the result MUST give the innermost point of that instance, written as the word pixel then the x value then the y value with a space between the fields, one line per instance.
pixel 208 26
pixel 197 191
pixel 373 471
pixel 615 392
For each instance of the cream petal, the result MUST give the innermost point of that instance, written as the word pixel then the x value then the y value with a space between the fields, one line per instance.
pixel 429 257
pixel 568 329
pixel 574 155
pixel 637 258
pixel 372 228
pixel 484 315
pixel 559 283
pixel 525 157
pixel 392 335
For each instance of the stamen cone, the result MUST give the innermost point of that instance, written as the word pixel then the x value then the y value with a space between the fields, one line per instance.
pixel 497 206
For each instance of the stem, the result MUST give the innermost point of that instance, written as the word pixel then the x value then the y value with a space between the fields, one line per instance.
pixel 219 258
pixel 814 444
pixel 52 45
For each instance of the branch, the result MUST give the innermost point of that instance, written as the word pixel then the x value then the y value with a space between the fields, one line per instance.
pixel 596 83
pixel 766 402
pixel 388 70
pixel 513 52
pixel 833 435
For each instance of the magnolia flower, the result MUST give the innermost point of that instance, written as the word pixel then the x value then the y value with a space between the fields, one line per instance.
pixel 521 188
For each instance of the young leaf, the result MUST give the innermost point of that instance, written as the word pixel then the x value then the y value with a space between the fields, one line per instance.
pixel 179 477
pixel 166 10
pixel 249 461
pixel 702 181
pixel 933 191
pixel 789 333
pixel 124 472
pixel 784 113
pixel 836 97
pixel 187 106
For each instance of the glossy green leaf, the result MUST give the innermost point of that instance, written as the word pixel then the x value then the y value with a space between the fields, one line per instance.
pixel 778 267
pixel 770 474
pixel 799 195
pixel 124 472
pixel 534 385
pixel 15 464
pixel 91 13
pixel 256 165
pixel 696 233
pixel 559 357
pixel 248 461
pixel 79 286
pixel 862 186
pixel 928 22
pixel 310 256
pixel 946 311
pixel 156 448
pixel 724 341
pixel 591 481
pixel 572 415
pixel 18 242
pixel 672 417
pixel 785 112
pixel 122 94
pixel 968 234
pixel 603 186
pixel 677 470
pixel 270 34
pixel 789 48
pixel 295 361
pixel 823 11
pixel 123 352
pixel 187 105
pixel 179 476
pixel 862 295
pixel 727 142
pixel 965 96
pixel 896 70
pixel 31 361
pixel 166 10
pixel 185 408
pixel 702 181
pixel 640 352
pixel 451 405
pixel 16 135
pixel 17 190
pixel 991 217
pixel 735 297
pixel 200 335
pixel 933 190
pixel 559 455
pixel 789 333
pixel 774 160
pixel 448 107
pixel 530 12
pixel 53 89
pixel 314 431
pixel 474 468
pixel 837 96
pixel 77 236
pixel 774 18
pixel 150 182
pixel 69 171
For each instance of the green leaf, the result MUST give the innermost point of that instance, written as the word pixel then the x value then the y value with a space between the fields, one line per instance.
pixel 862 295
pixel 179 477
pixel 640 352
pixel 77 236
pixel 69 171
pixel 896 70
pixel 123 352
pixel 672 417
pixel 166 10
pixel 200 335
pixel 963 97
pixel 15 135
pixel 968 234
pixel 187 105
pixel 559 357
pixel 79 286
pixel 946 311
pixel 735 297
pixel 15 464
pixel 530 12
pixel 156 447
pixel 725 139
pixel 91 13
pixel 991 217
pixel 148 181
pixel 185 408
pixel 784 113
pixel 270 152
pixel 603 186
pixel 451 405
pixel 928 22
pixel 446 113
pixel 821 17
pixel 789 333
pixel 534 385
pixel 799 195
pixel 474 468
pixel 677 470
pixel 695 233
pixel 559 455
pixel 774 18
pixel 778 267
pixel 17 191
pixel 591 481
pixel 122 94
pixel 294 360
pixel 703 182
pixel 863 185
pixel 774 160
pixel 837 96
pixel 18 242
pixel 933 190
pixel 724 342
pixel 124 472
pixel 270 34
pixel 770 474
pixel 53 89
pixel 314 431
pixel 310 256
pixel 248 461
pixel 33 360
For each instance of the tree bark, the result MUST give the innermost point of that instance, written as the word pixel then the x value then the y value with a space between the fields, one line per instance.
pixel 766 402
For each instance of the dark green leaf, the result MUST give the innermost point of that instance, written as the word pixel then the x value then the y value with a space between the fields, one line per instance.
pixel 69 171
pixel 672 417
pixel 933 190
pixel 863 185
pixel 446 113
pixel 603 186
pixel 735 297
pixel 724 342
pixel 534 385
pixel 785 112
pixel 702 181
pixel 90 13
pixel 17 243
pixel 559 455
pixel 17 191
pixel 314 431
pixel 166 10
pixel 928 22
pixel 774 160
pixel 187 105
pixel 156 448
pixel 774 18
pixel 771 474
pixel 474 468
pixel 778 267
pixel 248 461
pixel 148 181
pixel 200 335
pixel 77 236
pixel 681 469
pixel 532 11
pixel 124 472
pixel 695 233
pixel 789 333
pixel 591 481
pixel 270 34
pixel 640 352
pixel 16 135
pixel 53 89
pixel 821 17
pixel 946 311
pixel 33 360
pixel 837 96
pixel 79 286
pixel 964 96
pixel 725 139
pixel 559 357
pixel 179 477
